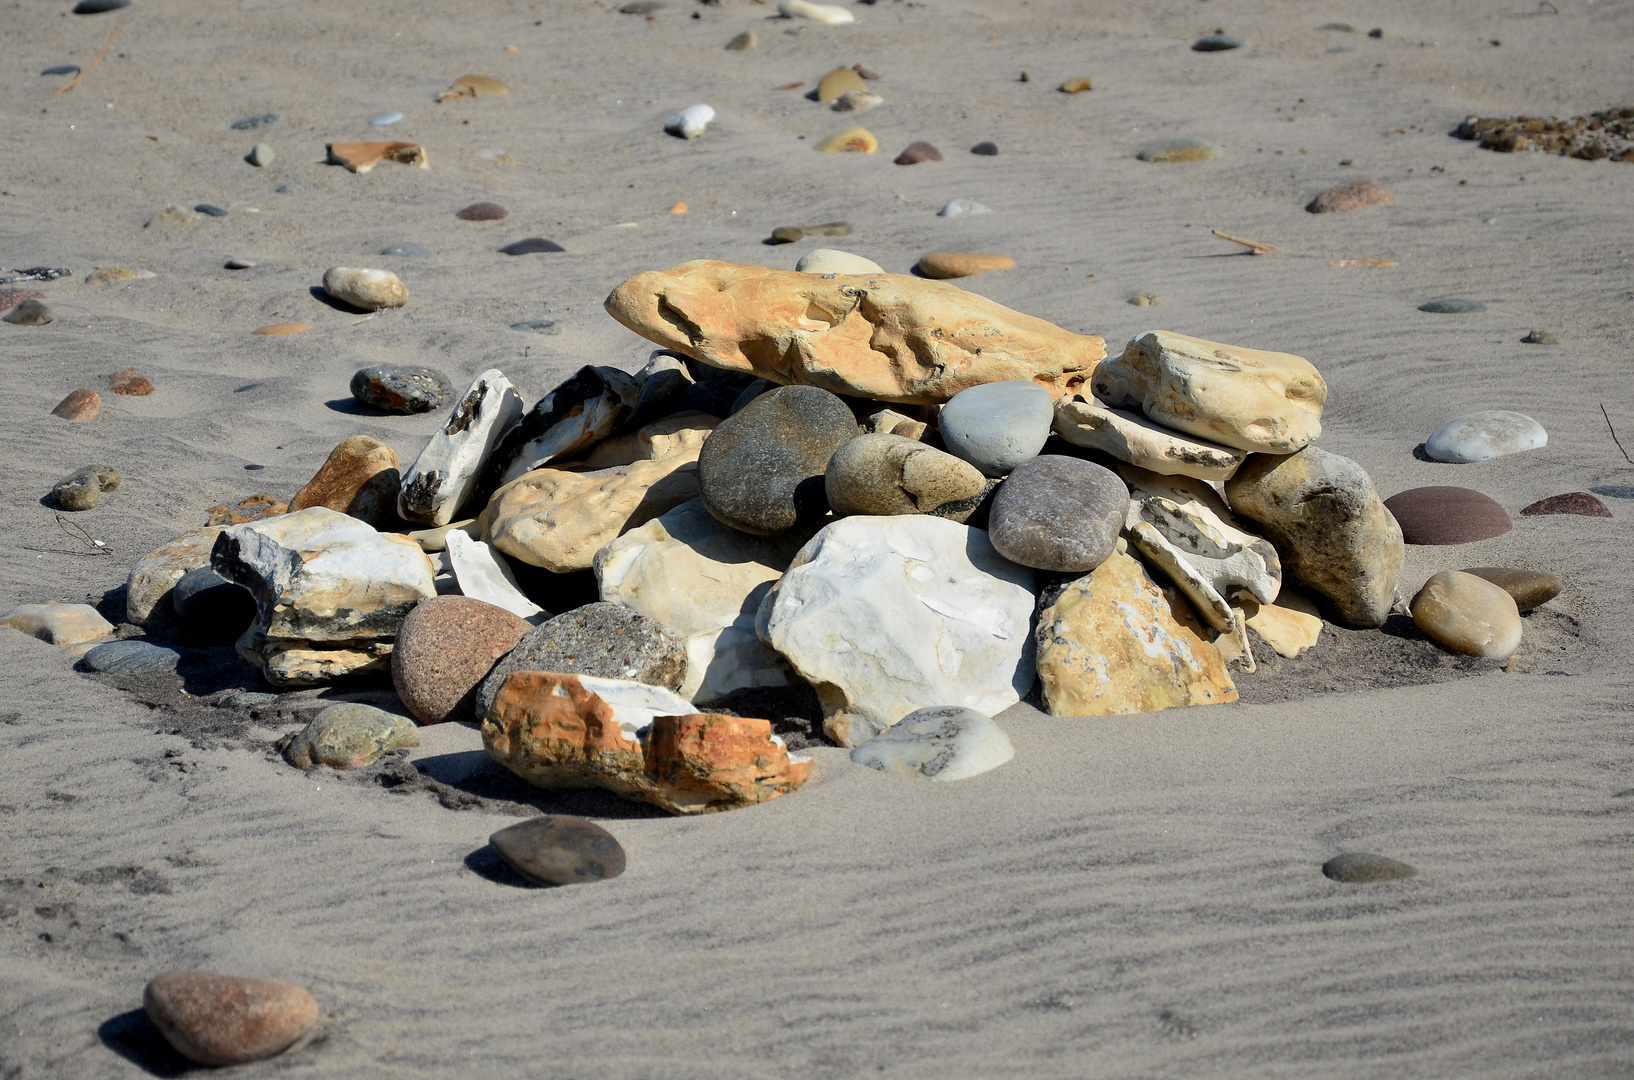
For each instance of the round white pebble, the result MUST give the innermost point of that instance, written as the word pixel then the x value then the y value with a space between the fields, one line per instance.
pixel 1483 435
pixel 960 207
pixel 690 122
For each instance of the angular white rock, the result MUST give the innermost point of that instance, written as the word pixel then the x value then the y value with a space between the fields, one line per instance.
pixel 483 575
pixel 58 623
pixel 960 207
pixel 856 101
pixel 830 261
pixel 446 472
pixel 573 417
pixel 885 615
pixel 690 122
pixel 1131 437
pixel 944 742
pixel 1484 435
pixel 635 704
pixel 832 14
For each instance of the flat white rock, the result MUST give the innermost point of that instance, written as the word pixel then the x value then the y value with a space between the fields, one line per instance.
pixel 832 14
pixel 944 742
pixel 885 615
pixel 483 575
pixel 385 119
pixel 960 207
pixel 690 122
pixel 831 261
pixel 444 474
pixel 635 704
pixel 1484 435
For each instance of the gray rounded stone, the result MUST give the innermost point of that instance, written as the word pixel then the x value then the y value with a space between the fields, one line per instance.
pixel 81 489
pixel 1360 868
pixel 1453 306
pixel 888 474
pixel 761 471
pixel 1481 436
pixel 1058 513
pixel 31 313
pixel 608 641
pixel 260 155
pixel 401 388
pixel 132 657
pixel 560 850
pixel 996 426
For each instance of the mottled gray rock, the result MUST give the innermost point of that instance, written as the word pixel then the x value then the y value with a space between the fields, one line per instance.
pixel 131 657
pixel 81 489
pixel 1360 868
pixel 996 426
pixel 890 474
pixel 1058 513
pixel 401 388
pixel 350 736
pixel 761 471
pixel 943 742
pixel 605 640
pixel 559 850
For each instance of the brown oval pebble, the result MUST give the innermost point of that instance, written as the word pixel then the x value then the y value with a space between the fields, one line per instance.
pixel 954 264
pixel 227 1020
pixel 483 211
pixel 446 646
pixel 555 849
pixel 130 384
pixel 280 329
pixel 1530 588
pixel 917 152
pixel 1573 502
pixel 82 406
pixel 1447 515
pixel 1077 86
pixel 1351 196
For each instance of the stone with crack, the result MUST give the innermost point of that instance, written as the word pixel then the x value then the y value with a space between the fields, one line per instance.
pixel 889 474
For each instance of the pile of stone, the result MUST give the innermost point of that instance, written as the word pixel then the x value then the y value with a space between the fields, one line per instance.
pixel 1608 134
pixel 915 501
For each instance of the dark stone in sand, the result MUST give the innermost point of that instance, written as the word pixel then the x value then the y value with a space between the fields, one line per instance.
pixel 1453 306
pixel 80 489
pixel 761 470
pixel 1218 43
pixel 559 850
pixel 211 211
pixel 447 645
pixel 483 211
pixel 985 149
pixel 250 123
pixel 131 657
pixel 917 152
pixel 533 245
pixel 97 7
pixel 607 641
pixel 1447 515
pixel 1058 513
pixel 537 326
pixel 62 69
pixel 204 596
pixel 1580 503
pixel 1539 337
pixel 401 388
pixel 1530 588
pixel 1359 868
pixel 640 7
pixel 31 313
pixel 789 234
pixel 408 250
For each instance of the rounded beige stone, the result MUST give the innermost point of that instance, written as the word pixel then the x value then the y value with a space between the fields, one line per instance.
pixel 1469 615
pixel 370 290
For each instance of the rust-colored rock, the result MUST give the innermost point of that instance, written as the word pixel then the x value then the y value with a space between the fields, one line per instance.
pixel 129 383
pixel 359 479
pixel 890 337
pixel 254 508
pixel 1351 196
pixel 360 157
pixel 82 406
pixel 225 1019
pixel 1580 503
pixel 551 730
pixel 956 264
pixel 445 648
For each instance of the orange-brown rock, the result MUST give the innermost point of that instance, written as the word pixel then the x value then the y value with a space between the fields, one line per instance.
pixel 82 406
pixel 553 730
pixel 890 337
pixel 282 329
pixel 956 264
pixel 225 1019
pixel 360 157
pixel 254 508
pixel 360 479
pixel 129 383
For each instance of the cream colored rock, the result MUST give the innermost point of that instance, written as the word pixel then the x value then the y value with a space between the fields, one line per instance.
pixel 704 581
pixel 1111 643
pixel 839 81
pixel 1131 437
pixel 482 575
pixel 370 290
pixel 830 261
pixel 1287 629
pixel 680 436
pixel 1469 615
pixel 890 337
pixel 58 623
pixel 435 540
pixel 831 14
pixel 147 589
pixel 857 101
pixel 1245 398
pixel 891 422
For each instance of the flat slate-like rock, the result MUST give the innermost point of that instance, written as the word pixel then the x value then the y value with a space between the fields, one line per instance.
pixel 1360 868
pixel 225 1019
pixel 1580 503
pixel 1530 588
pixel 996 426
pixel 761 471
pixel 942 742
pixel 1218 43
pixel 1058 513
pixel 1447 515
pixel 131 657
pixel 1480 436
pixel 401 388
pixel 556 849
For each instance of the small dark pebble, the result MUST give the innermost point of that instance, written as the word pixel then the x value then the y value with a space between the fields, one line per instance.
pixel 97 7
pixel 239 264
pixel 1218 43
pixel 483 211
pixel 917 152
pixel 789 234
pixel 1626 793
pixel 254 468
pixel 1580 503
pixel 1453 306
pixel 287 189
pixel 533 245
pixel 537 326
pixel 62 69
pixel 985 149
pixel 1377 31
pixel 408 250
pixel 640 7
pixel 1359 868
pixel 1539 337
pixel 213 211
pixel 555 849
pixel 401 388
pixel 251 122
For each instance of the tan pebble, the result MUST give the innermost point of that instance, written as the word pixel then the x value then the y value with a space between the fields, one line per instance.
pixel 1469 615
pixel 109 275
pixel 678 208
pixel 365 289
pixel 82 406
pixel 471 86
pixel 1146 299
pixel 953 264
pixel 745 40
pixel 227 1020
pixel 1076 86
pixel 129 383
pixel 837 82
pixel 283 328
pixel 360 157
pixel 854 140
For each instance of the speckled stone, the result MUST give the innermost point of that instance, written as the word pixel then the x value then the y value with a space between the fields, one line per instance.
pixel 227 1020
pixel 559 850
pixel 889 474
pixel 1058 513
pixel 761 471
pixel 127 383
pixel 1530 588
pixel 446 647
pixel 350 736
pixel 1447 515
pixel 996 426
pixel 82 488
pixel 608 641
pixel 1359 868
pixel 1580 503
pixel 401 388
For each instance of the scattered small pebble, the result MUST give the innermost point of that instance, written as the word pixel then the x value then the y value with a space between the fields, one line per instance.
pixel 62 69
pixel 853 140
pixel 82 488
pixel 1181 149
pixel 1359 868
pixel 678 209
pixel 408 250
pixel 260 155
pixel 1363 262
pixel 1146 299
pixel 401 388
pixel 31 313
pixel 1539 337
pixel 239 264
pixel 857 101
pixel 82 406
pixel 385 119
pixel 830 261
pixel 1608 134
pixel 131 657
pixel 960 207
pixel 1439 516
pixel 282 329
pixel 474 86
pixel 1218 43
pixel 537 326
pixel 365 289
pixel 210 210
pixel 1453 306
pixel 1580 503
pixel 533 245
pixel 640 7
pixel 1376 32
pixel 1344 28
pixel 866 72
pixel 1481 436
pixel 128 383
pixel 362 157
pixel 955 264
pixel 690 122
pixel 1077 86
pixel 483 211
pixel 985 149
pixel 788 234
pixel 250 123
pixel 559 850
pixel 1351 196
pixel 111 275
pixel 841 80
pixel 742 41
pixel 227 1020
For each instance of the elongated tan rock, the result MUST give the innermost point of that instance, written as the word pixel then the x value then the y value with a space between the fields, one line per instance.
pixel 1269 402
pixel 891 337
pixel 1131 437
pixel 1470 615
pixel 958 264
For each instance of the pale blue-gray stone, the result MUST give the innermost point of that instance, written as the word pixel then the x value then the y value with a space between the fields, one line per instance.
pixel 132 657
pixel 996 426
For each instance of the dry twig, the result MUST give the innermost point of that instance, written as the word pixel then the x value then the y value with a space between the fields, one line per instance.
pixel 1254 246
pixel 1614 437
pixel 77 532
pixel 93 63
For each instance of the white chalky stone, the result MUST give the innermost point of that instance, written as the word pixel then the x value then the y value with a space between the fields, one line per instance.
pixel 1483 435
pixel 944 742
pixel 690 122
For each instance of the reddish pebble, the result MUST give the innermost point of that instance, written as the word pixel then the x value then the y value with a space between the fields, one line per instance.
pixel 227 1020
pixel 130 384
pixel 10 298
pixel 483 211
pixel 1447 515
pixel 447 645
pixel 82 406
pixel 1573 502
pixel 1351 196
pixel 917 152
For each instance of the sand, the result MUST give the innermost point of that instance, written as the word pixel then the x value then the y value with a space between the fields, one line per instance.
pixel 1134 896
